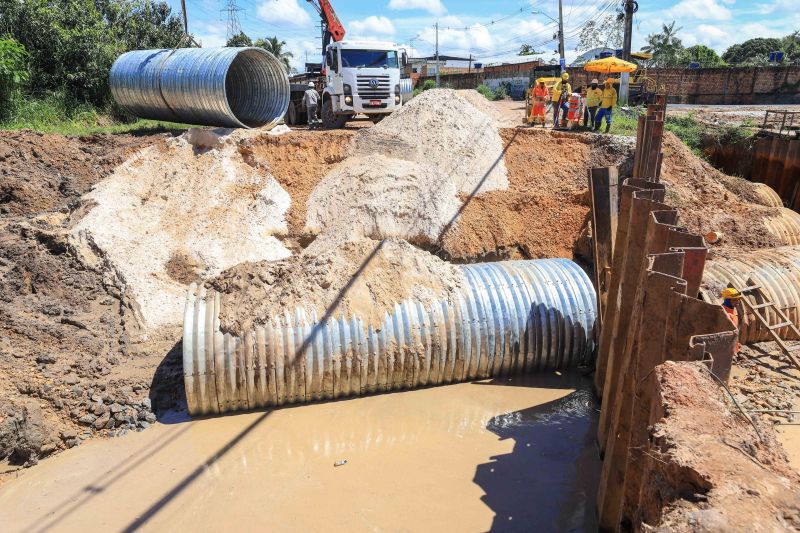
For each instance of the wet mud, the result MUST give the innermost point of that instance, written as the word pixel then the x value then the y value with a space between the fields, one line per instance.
pixel 504 454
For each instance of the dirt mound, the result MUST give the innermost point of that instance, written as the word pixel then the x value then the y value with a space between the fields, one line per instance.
pixel 446 131
pixel 710 200
pixel 542 212
pixel 209 209
pixel 335 277
pixel 298 161
pixel 379 197
pixel 71 362
pixel 43 172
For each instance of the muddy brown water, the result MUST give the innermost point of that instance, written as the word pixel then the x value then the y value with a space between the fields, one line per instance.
pixel 505 454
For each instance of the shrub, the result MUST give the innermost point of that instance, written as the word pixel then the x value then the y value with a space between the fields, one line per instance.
pixel 501 93
pixel 13 72
pixel 429 84
pixel 485 91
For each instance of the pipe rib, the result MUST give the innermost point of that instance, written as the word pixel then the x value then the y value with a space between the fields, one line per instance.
pixel 229 87
pixel 511 317
pixel 777 270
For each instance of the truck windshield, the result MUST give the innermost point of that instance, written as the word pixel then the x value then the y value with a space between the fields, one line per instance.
pixel 369 58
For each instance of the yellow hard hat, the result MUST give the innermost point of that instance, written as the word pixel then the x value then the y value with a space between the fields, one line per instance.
pixel 565 76
pixel 731 294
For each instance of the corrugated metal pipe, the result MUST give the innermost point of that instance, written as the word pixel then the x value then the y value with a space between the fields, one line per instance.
pixel 230 87
pixel 777 270
pixel 514 316
pixel 785 226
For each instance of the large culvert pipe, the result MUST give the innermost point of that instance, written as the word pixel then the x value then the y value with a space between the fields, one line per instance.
pixel 515 316
pixel 230 87
pixel 777 270
pixel 785 226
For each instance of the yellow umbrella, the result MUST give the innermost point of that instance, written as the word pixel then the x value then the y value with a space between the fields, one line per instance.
pixel 607 65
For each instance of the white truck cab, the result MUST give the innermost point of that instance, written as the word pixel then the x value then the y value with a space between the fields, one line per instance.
pixel 361 77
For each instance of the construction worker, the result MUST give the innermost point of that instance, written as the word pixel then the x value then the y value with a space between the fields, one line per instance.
pixel 310 100
pixel 607 103
pixel 729 298
pixel 539 97
pixel 561 91
pixel 594 96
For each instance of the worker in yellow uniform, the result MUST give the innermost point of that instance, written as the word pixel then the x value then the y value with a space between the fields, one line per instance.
pixel 607 103
pixel 729 298
pixel 594 96
pixel 561 91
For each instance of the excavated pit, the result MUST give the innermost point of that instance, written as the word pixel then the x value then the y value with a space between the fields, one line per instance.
pixel 80 357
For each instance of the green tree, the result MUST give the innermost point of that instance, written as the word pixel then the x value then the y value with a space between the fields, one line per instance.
pixel 702 54
pixel 606 32
pixel 73 43
pixel 528 50
pixel 752 51
pixel 276 48
pixel 13 71
pixel 665 46
pixel 240 39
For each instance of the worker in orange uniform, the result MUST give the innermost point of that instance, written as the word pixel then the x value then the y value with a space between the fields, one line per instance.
pixel 729 298
pixel 539 97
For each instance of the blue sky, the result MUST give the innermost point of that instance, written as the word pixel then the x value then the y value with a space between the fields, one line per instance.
pixel 491 31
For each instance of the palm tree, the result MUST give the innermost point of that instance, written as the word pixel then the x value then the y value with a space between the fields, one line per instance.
pixel 666 47
pixel 276 48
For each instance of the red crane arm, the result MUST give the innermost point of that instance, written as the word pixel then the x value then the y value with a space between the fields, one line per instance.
pixel 332 24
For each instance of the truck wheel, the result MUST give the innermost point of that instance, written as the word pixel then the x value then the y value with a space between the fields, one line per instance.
pixel 377 118
pixel 331 120
pixel 291 114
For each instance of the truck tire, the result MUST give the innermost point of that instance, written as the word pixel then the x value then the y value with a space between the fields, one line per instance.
pixel 330 120
pixel 291 114
pixel 376 118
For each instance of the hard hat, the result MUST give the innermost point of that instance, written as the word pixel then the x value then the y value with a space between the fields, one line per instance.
pixel 311 84
pixel 610 80
pixel 731 294
pixel 595 81
pixel 565 76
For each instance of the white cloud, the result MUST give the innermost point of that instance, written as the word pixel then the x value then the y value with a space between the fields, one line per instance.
pixel 700 9
pixel 283 12
pixel 372 25
pixel 434 7
pixel 210 34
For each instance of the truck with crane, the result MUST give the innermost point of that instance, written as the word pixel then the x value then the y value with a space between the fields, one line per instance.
pixel 357 77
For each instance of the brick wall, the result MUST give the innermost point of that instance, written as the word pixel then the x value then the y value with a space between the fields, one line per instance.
pixel 746 85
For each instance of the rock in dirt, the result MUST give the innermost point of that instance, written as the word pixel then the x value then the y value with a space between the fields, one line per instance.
pixel 339 277
pixel 22 432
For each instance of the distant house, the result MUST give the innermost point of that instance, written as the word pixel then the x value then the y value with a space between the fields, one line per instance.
pixel 427 66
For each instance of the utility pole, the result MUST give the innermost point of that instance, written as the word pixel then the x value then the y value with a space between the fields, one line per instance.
pixel 630 7
pixel 437 53
pixel 561 60
pixel 469 70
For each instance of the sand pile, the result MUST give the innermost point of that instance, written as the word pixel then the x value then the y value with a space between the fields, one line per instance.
pixel 337 276
pixel 175 214
pixel 405 174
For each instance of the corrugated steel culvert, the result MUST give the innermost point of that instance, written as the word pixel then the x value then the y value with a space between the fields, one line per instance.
pixel 230 87
pixel 777 270
pixel 515 316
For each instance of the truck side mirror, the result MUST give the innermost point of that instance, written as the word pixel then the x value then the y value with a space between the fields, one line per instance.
pixel 405 58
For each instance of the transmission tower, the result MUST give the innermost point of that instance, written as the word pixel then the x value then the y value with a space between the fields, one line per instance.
pixel 234 26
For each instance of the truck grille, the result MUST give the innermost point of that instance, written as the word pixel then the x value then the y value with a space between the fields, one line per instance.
pixel 368 90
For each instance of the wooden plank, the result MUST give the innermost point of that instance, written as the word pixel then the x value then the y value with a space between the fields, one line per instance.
pixel 603 184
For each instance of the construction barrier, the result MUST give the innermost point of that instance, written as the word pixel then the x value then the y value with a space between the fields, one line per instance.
pixel 512 317
pixel 229 87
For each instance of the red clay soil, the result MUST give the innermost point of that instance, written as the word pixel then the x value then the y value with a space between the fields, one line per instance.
pixel 298 161
pixel 546 205
pixel 42 172
pixel 709 470
pixel 710 200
